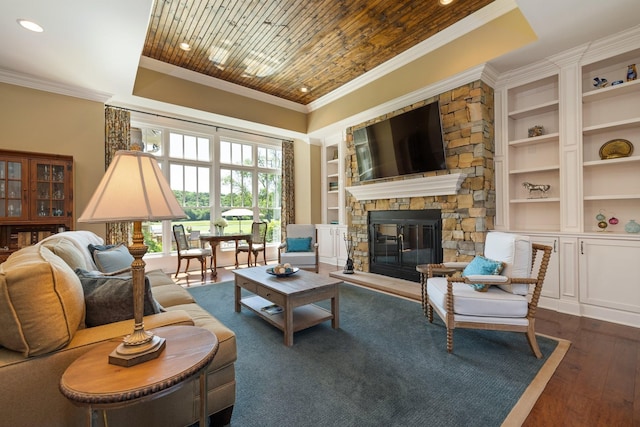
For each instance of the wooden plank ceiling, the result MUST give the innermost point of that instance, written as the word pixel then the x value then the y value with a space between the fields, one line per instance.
pixel 280 46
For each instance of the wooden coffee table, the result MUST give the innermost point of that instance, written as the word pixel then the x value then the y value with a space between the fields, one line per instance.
pixel 295 294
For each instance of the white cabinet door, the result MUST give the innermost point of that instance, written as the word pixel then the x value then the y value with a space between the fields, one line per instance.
pixel 326 246
pixel 331 245
pixel 610 273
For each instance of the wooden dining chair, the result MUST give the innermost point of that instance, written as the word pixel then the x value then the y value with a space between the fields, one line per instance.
pixel 258 243
pixel 185 251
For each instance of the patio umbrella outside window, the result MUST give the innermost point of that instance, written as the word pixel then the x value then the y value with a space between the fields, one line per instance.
pixel 238 213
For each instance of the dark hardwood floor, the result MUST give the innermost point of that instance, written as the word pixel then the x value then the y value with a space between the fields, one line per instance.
pixel 597 382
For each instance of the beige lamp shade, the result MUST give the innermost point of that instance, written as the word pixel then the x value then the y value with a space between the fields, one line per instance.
pixel 132 189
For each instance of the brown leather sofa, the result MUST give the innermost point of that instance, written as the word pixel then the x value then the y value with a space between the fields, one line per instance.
pixel 42 333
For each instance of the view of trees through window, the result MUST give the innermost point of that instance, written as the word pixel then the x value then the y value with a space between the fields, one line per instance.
pixel 216 178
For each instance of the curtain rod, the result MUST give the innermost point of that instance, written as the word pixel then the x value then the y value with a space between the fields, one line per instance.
pixel 198 123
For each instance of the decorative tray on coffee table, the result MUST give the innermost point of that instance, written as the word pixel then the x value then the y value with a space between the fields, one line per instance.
pixel 288 272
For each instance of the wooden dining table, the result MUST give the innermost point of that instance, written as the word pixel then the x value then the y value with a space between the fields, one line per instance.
pixel 214 240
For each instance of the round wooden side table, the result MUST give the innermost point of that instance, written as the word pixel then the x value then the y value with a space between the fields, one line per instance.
pixel 91 381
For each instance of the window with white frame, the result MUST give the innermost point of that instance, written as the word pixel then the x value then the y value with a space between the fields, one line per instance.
pixel 249 185
pixel 215 176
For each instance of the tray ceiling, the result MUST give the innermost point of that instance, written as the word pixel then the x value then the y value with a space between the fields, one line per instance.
pixel 278 47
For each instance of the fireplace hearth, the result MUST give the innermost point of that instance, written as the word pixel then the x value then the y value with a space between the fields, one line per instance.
pixel 400 240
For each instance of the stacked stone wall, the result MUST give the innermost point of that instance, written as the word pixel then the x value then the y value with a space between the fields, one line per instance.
pixel 467 114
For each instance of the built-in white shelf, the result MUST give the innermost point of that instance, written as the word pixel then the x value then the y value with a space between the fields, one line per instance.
pixel 534 110
pixel 538 200
pixel 535 140
pixel 533 170
pixel 610 162
pixel 604 127
pixel 611 91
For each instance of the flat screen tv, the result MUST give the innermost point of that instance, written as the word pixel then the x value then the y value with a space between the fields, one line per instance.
pixel 408 143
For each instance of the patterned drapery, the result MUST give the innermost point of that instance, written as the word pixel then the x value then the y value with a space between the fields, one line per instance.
pixel 288 188
pixel 117 136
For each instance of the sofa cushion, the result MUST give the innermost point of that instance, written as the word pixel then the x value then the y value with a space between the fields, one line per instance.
pixel 109 299
pixel 112 259
pixel 81 239
pixel 467 302
pixel 516 252
pixel 41 302
pixel 66 250
pixel 166 292
pixel 299 258
pixel 481 266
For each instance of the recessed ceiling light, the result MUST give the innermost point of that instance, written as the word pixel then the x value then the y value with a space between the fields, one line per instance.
pixel 304 89
pixel 185 46
pixel 30 25
pixel 445 2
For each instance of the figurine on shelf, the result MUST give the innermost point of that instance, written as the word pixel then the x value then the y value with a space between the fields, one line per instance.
pixel 541 188
pixel 602 224
pixel 632 73
pixel 600 82
pixel 536 130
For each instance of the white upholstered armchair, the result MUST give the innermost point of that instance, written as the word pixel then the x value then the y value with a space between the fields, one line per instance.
pixel 493 292
pixel 300 247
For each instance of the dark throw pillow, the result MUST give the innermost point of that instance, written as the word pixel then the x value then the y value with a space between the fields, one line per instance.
pixel 110 299
pixel 298 244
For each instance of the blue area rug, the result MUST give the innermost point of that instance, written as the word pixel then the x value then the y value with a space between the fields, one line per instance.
pixel 385 366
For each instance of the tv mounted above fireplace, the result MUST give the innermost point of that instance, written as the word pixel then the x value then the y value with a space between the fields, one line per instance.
pixel 409 143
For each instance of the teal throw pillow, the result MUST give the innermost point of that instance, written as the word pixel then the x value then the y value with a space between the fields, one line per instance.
pixel 298 244
pixel 112 259
pixel 482 266
pixel 109 299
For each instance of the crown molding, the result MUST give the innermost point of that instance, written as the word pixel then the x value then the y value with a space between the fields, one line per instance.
pixel 616 44
pixel 483 72
pixel 31 82
pixel 192 76
pixel 453 32
pixel 587 53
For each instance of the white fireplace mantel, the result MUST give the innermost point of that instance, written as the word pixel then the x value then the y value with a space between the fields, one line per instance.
pixel 440 185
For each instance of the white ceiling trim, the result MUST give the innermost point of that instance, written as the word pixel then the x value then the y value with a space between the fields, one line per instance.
pixel 155 110
pixel 483 72
pixel 20 79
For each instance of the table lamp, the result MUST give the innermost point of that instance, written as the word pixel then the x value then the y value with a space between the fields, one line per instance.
pixel 134 189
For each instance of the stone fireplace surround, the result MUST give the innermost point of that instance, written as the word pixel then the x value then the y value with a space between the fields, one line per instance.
pixel 464 193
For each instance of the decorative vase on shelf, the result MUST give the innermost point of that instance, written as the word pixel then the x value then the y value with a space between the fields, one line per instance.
pixel 632 227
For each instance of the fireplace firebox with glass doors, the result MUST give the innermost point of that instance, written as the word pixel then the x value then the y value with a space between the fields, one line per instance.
pixel 401 240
